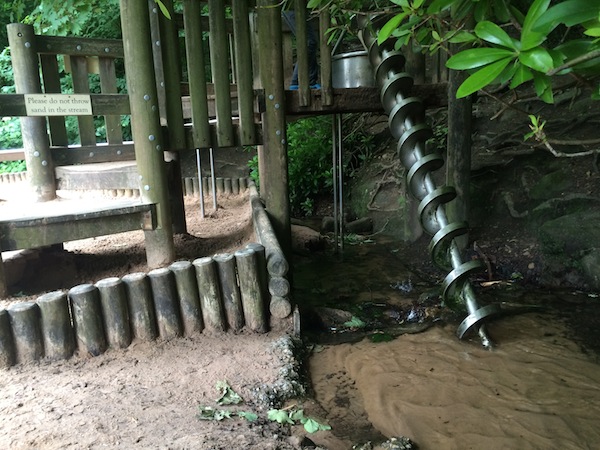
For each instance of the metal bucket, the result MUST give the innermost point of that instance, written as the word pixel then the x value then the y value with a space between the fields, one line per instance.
pixel 352 70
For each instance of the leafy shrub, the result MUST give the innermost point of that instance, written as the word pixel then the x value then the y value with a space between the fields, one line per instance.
pixel 310 160
pixel 12 166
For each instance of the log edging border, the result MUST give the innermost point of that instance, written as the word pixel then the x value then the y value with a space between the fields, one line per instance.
pixel 245 290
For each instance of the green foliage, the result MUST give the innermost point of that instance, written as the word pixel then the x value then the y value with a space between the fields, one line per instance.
pixel 289 416
pixel 13 166
pixel 355 322
pixel 228 395
pixel 512 41
pixel 10 130
pixel 310 159
pixel 293 416
pixel 209 413
pixel 310 167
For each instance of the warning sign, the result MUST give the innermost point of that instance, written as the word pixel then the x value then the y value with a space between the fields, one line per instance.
pixel 58 104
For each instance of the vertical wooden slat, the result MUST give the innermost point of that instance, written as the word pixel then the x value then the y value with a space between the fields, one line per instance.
pixel 51 79
pixel 219 58
pixel 197 77
pixel 108 85
pixel 79 71
pixel 171 61
pixel 143 100
pixel 325 51
pixel 169 45
pixel 40 168
pixel 273 161
pixel 302 52
pixel 158 62
pixel 243 56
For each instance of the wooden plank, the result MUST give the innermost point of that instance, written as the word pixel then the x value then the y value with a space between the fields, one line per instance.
pixel 359 100
pixel 60 45
pixel 93 154
pixel 12 155
pixel 81 85
pixel 55 224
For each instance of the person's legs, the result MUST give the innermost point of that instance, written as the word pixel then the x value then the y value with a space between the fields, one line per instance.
pixel 312 46
pixel 290 19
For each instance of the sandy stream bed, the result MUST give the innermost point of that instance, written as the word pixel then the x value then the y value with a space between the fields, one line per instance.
pixel 535 391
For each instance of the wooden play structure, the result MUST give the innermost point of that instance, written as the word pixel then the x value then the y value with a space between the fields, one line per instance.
pixel 233 94
pixel 235 97
pixel 222 85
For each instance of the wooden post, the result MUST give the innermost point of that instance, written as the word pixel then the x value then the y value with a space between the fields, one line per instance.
pixel 26 331
pixel 458 159
pixel 415 62
pixel 210 294
pixel 140 305
pixel 230 292
pixel 166 306
pixel 38 159
pixel 87 319
pixel 147 133
pixel 273 154
pixel 243 57
pixel 251 290
pixel 114 312
pixel 169 47
pixel 7 345
pixel 219 60
pixel 189 300
pixel 59 339
pixel 3 281
pixel 325 52
pixel 197 78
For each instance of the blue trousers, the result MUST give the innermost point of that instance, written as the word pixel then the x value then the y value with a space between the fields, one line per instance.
pixel 312 43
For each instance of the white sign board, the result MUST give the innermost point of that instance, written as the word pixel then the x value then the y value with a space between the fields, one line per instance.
pixel 58 104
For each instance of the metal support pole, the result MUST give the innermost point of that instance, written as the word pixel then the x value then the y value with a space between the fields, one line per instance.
pixel 340 179
pixel 200 187
pixel 335 184
pixel 213 179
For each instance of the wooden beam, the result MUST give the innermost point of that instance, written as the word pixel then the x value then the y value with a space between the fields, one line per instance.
pixel 359 100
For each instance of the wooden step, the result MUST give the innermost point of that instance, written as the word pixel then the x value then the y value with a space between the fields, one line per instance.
pixel 106 175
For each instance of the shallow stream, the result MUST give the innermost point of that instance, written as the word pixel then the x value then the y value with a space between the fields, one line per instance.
pixel 538 389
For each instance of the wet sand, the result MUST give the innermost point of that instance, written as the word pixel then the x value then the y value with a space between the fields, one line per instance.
pixel 536 390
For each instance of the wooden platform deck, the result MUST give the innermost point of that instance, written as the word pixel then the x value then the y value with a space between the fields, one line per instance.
pixel 26 225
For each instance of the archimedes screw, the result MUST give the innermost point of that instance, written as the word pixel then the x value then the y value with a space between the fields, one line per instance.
pixel 407 124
